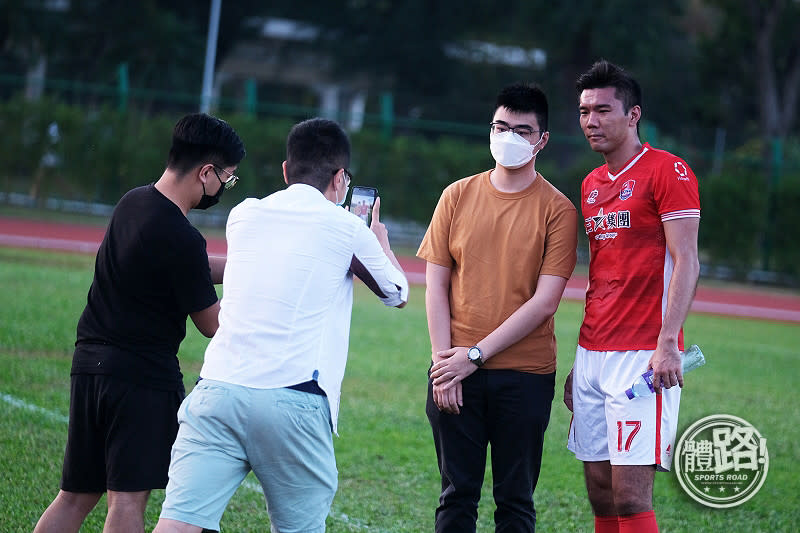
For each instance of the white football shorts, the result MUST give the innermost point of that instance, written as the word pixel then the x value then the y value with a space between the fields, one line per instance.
pixel 606 425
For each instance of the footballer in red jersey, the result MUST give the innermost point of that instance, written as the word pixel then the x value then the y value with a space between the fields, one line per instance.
pixel 630 266
pixel 641 213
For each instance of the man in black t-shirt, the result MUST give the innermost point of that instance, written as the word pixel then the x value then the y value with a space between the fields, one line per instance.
pixel 151 273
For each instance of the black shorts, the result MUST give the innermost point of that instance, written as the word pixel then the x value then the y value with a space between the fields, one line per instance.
pixel 120 435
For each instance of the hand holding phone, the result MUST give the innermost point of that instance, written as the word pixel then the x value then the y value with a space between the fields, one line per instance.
pixel 382 234
pixel 362 202
pixel 379 229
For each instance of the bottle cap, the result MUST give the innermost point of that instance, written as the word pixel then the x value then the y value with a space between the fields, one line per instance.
pixel 629 393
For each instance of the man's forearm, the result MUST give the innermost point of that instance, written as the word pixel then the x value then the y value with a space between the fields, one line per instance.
pixel 681 237
pixel 530 315
pixel 392 259
pixel 437 306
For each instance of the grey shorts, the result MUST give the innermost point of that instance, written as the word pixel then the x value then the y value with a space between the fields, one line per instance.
pixel 282 435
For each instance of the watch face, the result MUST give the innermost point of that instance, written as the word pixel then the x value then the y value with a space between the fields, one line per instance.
pixel 474 354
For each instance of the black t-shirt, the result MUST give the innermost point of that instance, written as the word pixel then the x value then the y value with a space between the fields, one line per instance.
pixel 151 272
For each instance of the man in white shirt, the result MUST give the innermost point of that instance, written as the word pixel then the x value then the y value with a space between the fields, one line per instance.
pixel 271 380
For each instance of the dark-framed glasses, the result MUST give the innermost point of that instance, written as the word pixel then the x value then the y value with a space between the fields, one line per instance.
pixel 229 183
pixel 502 127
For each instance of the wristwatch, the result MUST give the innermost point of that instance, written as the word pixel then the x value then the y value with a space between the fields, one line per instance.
pixel 474 354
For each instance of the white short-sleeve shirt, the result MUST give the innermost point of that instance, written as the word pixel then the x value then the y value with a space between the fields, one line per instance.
pixel 288 291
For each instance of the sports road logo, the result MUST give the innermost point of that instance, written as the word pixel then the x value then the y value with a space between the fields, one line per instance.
pixel 721 461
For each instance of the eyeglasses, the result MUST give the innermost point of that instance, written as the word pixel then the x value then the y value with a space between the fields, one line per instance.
pixel 502 127
pixel 230 183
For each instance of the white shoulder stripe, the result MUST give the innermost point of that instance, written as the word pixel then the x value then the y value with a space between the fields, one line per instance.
pixel 683 213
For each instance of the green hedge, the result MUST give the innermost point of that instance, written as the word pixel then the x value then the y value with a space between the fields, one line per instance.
pixel 733 217
pixel 748 221
pixel 785 249
pixel 102 153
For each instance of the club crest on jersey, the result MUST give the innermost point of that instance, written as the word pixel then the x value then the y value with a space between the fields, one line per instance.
pixel 627 189
pixel 592 198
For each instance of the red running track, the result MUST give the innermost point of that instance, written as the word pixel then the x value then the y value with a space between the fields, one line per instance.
pixel 742 302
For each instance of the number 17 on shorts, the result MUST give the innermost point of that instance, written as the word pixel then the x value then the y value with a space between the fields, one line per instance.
pixel 626 432
pixel 645 433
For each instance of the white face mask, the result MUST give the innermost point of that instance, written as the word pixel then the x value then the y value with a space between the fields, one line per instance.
pixel 340 204
pixel 511 150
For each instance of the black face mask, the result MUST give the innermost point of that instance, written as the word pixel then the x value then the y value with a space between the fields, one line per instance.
pixel 206 200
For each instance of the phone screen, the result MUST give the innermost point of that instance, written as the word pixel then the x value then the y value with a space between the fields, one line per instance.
pixel 362 201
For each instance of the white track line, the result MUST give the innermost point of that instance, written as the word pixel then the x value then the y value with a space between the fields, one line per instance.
pixel 746 311
pixel 22 404
pixel 49 244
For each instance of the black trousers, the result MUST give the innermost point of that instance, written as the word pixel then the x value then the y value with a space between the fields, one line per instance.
pixel 509 410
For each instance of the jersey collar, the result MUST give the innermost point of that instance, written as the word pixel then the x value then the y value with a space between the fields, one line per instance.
pixel 634 159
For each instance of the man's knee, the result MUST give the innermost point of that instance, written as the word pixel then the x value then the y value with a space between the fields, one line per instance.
pixel 130 501
pixel 633 489
pixel 628 502
pixel 599 487
pixel 78 502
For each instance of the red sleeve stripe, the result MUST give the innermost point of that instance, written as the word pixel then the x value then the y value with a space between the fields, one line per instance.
pixel 683 213
pixel 658 430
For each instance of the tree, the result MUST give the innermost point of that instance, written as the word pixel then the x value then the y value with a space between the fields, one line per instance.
pixel 777 62
pixel 751 58
pixel 162 41
pixel 30 31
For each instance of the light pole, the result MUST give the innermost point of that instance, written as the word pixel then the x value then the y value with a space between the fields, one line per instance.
pixel 211 55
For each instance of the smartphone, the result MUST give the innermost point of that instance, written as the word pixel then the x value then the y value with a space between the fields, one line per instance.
pixel 362 201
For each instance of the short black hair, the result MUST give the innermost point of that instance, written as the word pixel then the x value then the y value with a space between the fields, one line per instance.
pixel 199 138
pixel 606 74
pixel 315 150
pixel 524 98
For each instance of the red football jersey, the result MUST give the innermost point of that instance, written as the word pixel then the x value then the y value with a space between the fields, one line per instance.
pixel 630 266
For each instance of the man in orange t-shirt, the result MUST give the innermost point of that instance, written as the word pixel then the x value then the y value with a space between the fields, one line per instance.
pixel 499 250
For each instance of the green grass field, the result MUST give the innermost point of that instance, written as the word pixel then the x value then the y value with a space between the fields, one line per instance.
pixel 387 469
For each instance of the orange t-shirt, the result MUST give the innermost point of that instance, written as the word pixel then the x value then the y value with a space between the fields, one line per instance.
pixel 497 245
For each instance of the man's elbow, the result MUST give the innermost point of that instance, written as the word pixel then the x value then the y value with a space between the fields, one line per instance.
pixel 551 307
pixel 398 300
pixel 401 296
pixel 207 320
pixel 208 330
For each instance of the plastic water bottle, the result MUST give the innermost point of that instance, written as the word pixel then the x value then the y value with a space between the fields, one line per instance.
pixel 643 386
